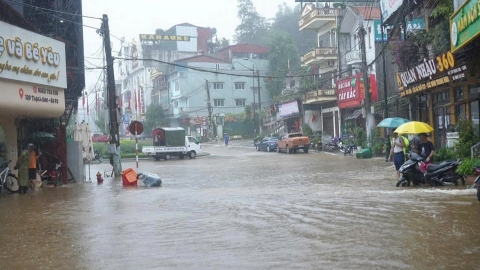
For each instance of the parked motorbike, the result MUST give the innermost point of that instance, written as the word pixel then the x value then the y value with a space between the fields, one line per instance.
pixel 476 183
pixel 417 172
pixel 318 146
pixel 333 146
pixel 98 156
pixel 349 149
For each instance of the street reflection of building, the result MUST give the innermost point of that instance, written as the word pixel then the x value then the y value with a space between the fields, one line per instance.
pixel 41 77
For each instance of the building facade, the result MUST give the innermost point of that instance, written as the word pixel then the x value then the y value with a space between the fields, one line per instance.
pixel 41 57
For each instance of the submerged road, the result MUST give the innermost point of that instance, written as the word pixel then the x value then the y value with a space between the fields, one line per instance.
pixel 242 209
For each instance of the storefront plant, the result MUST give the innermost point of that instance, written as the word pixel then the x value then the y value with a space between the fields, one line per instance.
pixel 360 137
pixel 467 138
pixel 467 168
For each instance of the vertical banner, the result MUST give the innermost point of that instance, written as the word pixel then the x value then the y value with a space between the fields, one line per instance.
pixel 142 101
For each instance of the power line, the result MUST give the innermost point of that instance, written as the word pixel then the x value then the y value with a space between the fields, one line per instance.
pixel 51 10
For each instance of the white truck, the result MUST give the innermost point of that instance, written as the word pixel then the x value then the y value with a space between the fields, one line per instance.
pixel 170 142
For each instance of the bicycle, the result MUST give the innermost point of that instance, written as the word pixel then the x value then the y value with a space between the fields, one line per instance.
pixel 8 180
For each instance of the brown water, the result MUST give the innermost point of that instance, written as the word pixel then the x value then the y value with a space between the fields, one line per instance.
pixel 242 209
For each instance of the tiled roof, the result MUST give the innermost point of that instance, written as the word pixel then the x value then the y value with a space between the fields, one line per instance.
pixel 368 13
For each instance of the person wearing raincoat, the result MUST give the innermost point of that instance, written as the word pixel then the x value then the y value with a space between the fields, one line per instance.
pixel 22 167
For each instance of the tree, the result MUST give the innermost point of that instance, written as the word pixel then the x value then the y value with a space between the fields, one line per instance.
pixel 286 21
pixel 253 28
pixel 154 117
pixel 100 122
pixel 282 50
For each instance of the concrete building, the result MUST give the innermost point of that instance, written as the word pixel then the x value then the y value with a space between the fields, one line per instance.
pixel 336 57
pixel 41 58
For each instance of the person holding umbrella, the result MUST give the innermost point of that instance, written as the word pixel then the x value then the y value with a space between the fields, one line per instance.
pixel 397 153
pixel 32 165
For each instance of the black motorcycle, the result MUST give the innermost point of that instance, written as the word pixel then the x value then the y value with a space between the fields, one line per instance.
pixel 476 183
pixel 435 174
pixel 348 149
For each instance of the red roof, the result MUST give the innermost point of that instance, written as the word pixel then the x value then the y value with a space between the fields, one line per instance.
pixel 368 13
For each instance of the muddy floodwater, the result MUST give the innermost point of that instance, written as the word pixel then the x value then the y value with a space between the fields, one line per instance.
pixel 243 209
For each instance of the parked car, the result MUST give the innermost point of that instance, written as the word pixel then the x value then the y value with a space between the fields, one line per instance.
pixel 267 144
pixel 100 138
pixel 292 142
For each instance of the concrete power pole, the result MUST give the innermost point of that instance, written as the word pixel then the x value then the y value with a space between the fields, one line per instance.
pixel 259 103
pixel 366 82
pixel 114 147
pixel 209 107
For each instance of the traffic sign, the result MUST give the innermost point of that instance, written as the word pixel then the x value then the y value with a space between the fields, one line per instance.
pixel 136 125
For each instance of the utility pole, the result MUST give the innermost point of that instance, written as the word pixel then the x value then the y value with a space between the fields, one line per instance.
pixel 209 107
pixel 114 148
pixel 254 105
pixel 366 82
pixel 388 145
pixel 259 103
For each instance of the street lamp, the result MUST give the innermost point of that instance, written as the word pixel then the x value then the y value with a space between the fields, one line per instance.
pixel 253 88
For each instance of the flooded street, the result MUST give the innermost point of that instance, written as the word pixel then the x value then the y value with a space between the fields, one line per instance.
pixel 242 209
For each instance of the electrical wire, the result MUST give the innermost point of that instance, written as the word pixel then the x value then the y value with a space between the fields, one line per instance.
pixel 48 9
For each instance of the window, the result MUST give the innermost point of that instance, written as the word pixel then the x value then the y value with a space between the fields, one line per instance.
pixel 217 85
pixel 240 102
pixel 219 102
pixel 255 90
pixel 239 85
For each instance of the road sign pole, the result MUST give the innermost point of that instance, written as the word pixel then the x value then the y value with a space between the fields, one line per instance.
pixel 136 144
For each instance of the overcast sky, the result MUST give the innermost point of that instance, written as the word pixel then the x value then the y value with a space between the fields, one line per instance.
pixel 130 18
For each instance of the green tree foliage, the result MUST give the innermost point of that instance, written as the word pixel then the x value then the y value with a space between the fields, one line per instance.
pixel 286 21
pixel 467 138
pixel 154 117
pixel 100 122
pixel 440 35
pixel 281 49
pixel 253 28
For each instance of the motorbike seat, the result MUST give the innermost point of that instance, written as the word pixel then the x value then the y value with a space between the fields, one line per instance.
pixel 434 167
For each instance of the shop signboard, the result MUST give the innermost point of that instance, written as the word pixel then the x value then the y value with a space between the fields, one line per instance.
pixel 29 57
pixel 464 24
pixel 350 92
pixel 288 109
pixel 389 7
pixel 412 25
pixel 432 73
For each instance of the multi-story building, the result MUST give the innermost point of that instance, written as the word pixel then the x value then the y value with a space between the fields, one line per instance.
pixel 144 70
pixel 337 56
pixel 233 76
pixel 43 76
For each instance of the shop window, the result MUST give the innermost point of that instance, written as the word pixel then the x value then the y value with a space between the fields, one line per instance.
pixel 460 111
pixel 474 91
pixel 458 93
pixel 474 112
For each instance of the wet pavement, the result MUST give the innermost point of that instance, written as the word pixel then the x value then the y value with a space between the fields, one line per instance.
pixel 237 208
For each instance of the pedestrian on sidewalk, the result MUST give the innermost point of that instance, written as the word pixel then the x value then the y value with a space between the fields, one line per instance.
pixel 226 138
pixel 32 166
pixel 396 152
pixel 22 167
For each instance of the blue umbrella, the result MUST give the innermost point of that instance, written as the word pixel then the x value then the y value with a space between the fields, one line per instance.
pixel 393 122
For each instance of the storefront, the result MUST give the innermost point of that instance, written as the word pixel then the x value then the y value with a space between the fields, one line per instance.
pixel 32 83
pixel 448 86
pixel 291 115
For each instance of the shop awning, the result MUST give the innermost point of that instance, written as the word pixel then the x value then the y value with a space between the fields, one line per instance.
pixel 355 114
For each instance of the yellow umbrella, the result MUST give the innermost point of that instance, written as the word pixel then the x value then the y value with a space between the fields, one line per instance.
pixel 414 127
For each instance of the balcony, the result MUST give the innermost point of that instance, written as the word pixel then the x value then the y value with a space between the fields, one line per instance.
pixel 353 57
pixel 320 96
pixel 318 56
pixel 315 18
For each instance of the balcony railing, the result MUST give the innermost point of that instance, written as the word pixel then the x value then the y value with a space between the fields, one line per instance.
pixel 318 17
pixel 319 96
pixel 319 55
pixel 353 57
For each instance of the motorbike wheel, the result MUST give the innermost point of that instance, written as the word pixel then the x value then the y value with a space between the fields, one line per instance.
pixel 401 182
pixel 459 180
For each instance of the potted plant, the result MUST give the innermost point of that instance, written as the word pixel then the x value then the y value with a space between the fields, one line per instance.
pixel 360 137
pixel 467 168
